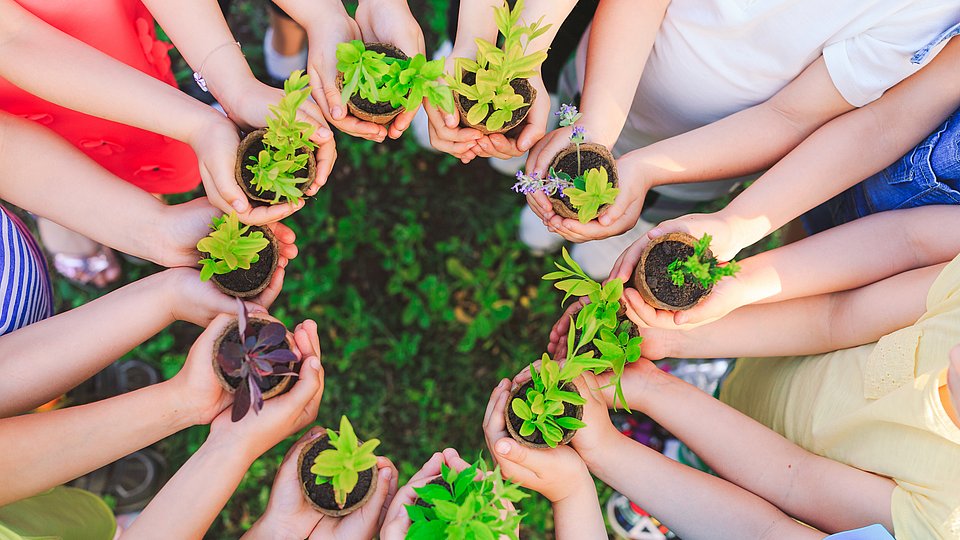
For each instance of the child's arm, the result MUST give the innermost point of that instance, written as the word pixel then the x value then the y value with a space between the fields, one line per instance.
pixel 558 474
pixel 87 436
pixel 816 490
pixel 73 345
pixel 189 502
pixel 692 503
pixel 621 38
pixel 839 259
pixel 740 144
pixel 72 74
pixel 836 157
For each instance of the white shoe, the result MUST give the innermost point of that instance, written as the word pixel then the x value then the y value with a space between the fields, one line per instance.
pixel 280 66
pixel 535 235
pixel 597 257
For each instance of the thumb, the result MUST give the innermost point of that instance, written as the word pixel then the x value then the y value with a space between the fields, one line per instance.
pixel 310 383
pixel 227 189
pixel 325 92
pixel 213 330
pixel 511 450
pixel 615 210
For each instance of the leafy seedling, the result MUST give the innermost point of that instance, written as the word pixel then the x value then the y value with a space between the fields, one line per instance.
pixel 342 464
pixel 229 246
pixel 541 409
pixel 701 267
pixel 256 356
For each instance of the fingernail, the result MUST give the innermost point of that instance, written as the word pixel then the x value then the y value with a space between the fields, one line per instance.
pixel 315 363
pixel 604 220
pixel 449 120
pixel 239 205
pixel 655 232
pixel 386 473
pixel 680 318
pixel 323 133
pixel 336 112
pixel 502 447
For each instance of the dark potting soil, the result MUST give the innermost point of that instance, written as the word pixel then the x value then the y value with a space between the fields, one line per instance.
pixel 436 482
pixel 518 87
pixel 241 280
pixel 323 494
pixel 380 107
pixel 588 160
pixel 247 175
pixel 516 421
pixel 267 382
pixel 655 273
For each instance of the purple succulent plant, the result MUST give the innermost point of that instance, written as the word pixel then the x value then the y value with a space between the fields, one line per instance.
pixel 258 355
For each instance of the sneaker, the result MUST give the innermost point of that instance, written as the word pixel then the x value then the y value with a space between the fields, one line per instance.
pixel 280 66
pixel 535 235
pixel 597 257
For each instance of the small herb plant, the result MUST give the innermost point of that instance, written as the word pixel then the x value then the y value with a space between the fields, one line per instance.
pixel 468 507
pixel 598 324
pixel 285 144
pixel 587 191
pixel 699 266
pixel 377 78
pixel 229 246
pixel 256 356
pixel 341 465
pixel 541 409
pixel 495 67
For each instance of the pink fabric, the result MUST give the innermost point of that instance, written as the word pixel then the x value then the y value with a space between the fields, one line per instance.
pixel 124 30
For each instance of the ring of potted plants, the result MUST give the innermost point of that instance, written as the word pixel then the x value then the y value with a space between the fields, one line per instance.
pixel 582 179
pixel 471 503
pixel 492 93
pixel 253 360
pixel 378 81
pixel 338 472
pixel 241 260
pixel 273 163
pixel 676 271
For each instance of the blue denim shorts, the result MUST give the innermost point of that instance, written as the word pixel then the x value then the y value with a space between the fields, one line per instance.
pixel 928 174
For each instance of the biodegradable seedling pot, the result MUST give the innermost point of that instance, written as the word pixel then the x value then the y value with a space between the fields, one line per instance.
pixel 520 86
pixel 321 497
pixel 271 386
pixel 592 156
pixel 381 112
pixel 251 282
pixel 653 282
pixel 250 147
pixel 536 439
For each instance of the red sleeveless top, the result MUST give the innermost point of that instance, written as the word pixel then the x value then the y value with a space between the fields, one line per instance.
pixel 124 30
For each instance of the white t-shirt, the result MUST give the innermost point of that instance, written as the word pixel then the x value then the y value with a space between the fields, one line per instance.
pixel 712 58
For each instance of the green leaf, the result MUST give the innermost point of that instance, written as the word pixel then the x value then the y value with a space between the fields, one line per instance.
pixel 477 113
pixel 521 409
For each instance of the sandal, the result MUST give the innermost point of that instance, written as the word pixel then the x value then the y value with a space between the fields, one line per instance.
pixel 100 269
pixel 131 481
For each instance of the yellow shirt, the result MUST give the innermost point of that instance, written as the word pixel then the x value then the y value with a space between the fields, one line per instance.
pixel 876 407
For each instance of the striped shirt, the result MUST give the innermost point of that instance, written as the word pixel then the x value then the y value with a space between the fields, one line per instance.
pixel 24 280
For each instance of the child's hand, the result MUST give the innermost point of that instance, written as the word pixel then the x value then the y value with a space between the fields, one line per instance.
pixel 599 429
pixel 655 341
pixel 446 134
pixel 183 225
pixel 555 473
pixel 289 515
pixel 198 302
pixel 325 30
pixel 616 219
pixel 248 106
pixel 216 142
pixel 390 21
pixel 397 521
pixel 285 414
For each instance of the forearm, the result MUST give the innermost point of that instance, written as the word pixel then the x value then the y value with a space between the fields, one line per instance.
pixel 474 21
pixel 621 38
pixel 191 500
pixel 42 173
pixel 578 516
pixel 806 326
pixel 847 257
pixel 72 74
pixel 761 461
pixel 47 358
pixel 849 149
pixel 692 503
pixel 767 131
pixel 48 449
pixel 202 36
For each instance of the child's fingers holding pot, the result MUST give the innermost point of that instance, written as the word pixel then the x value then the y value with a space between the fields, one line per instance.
pixel 504 385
